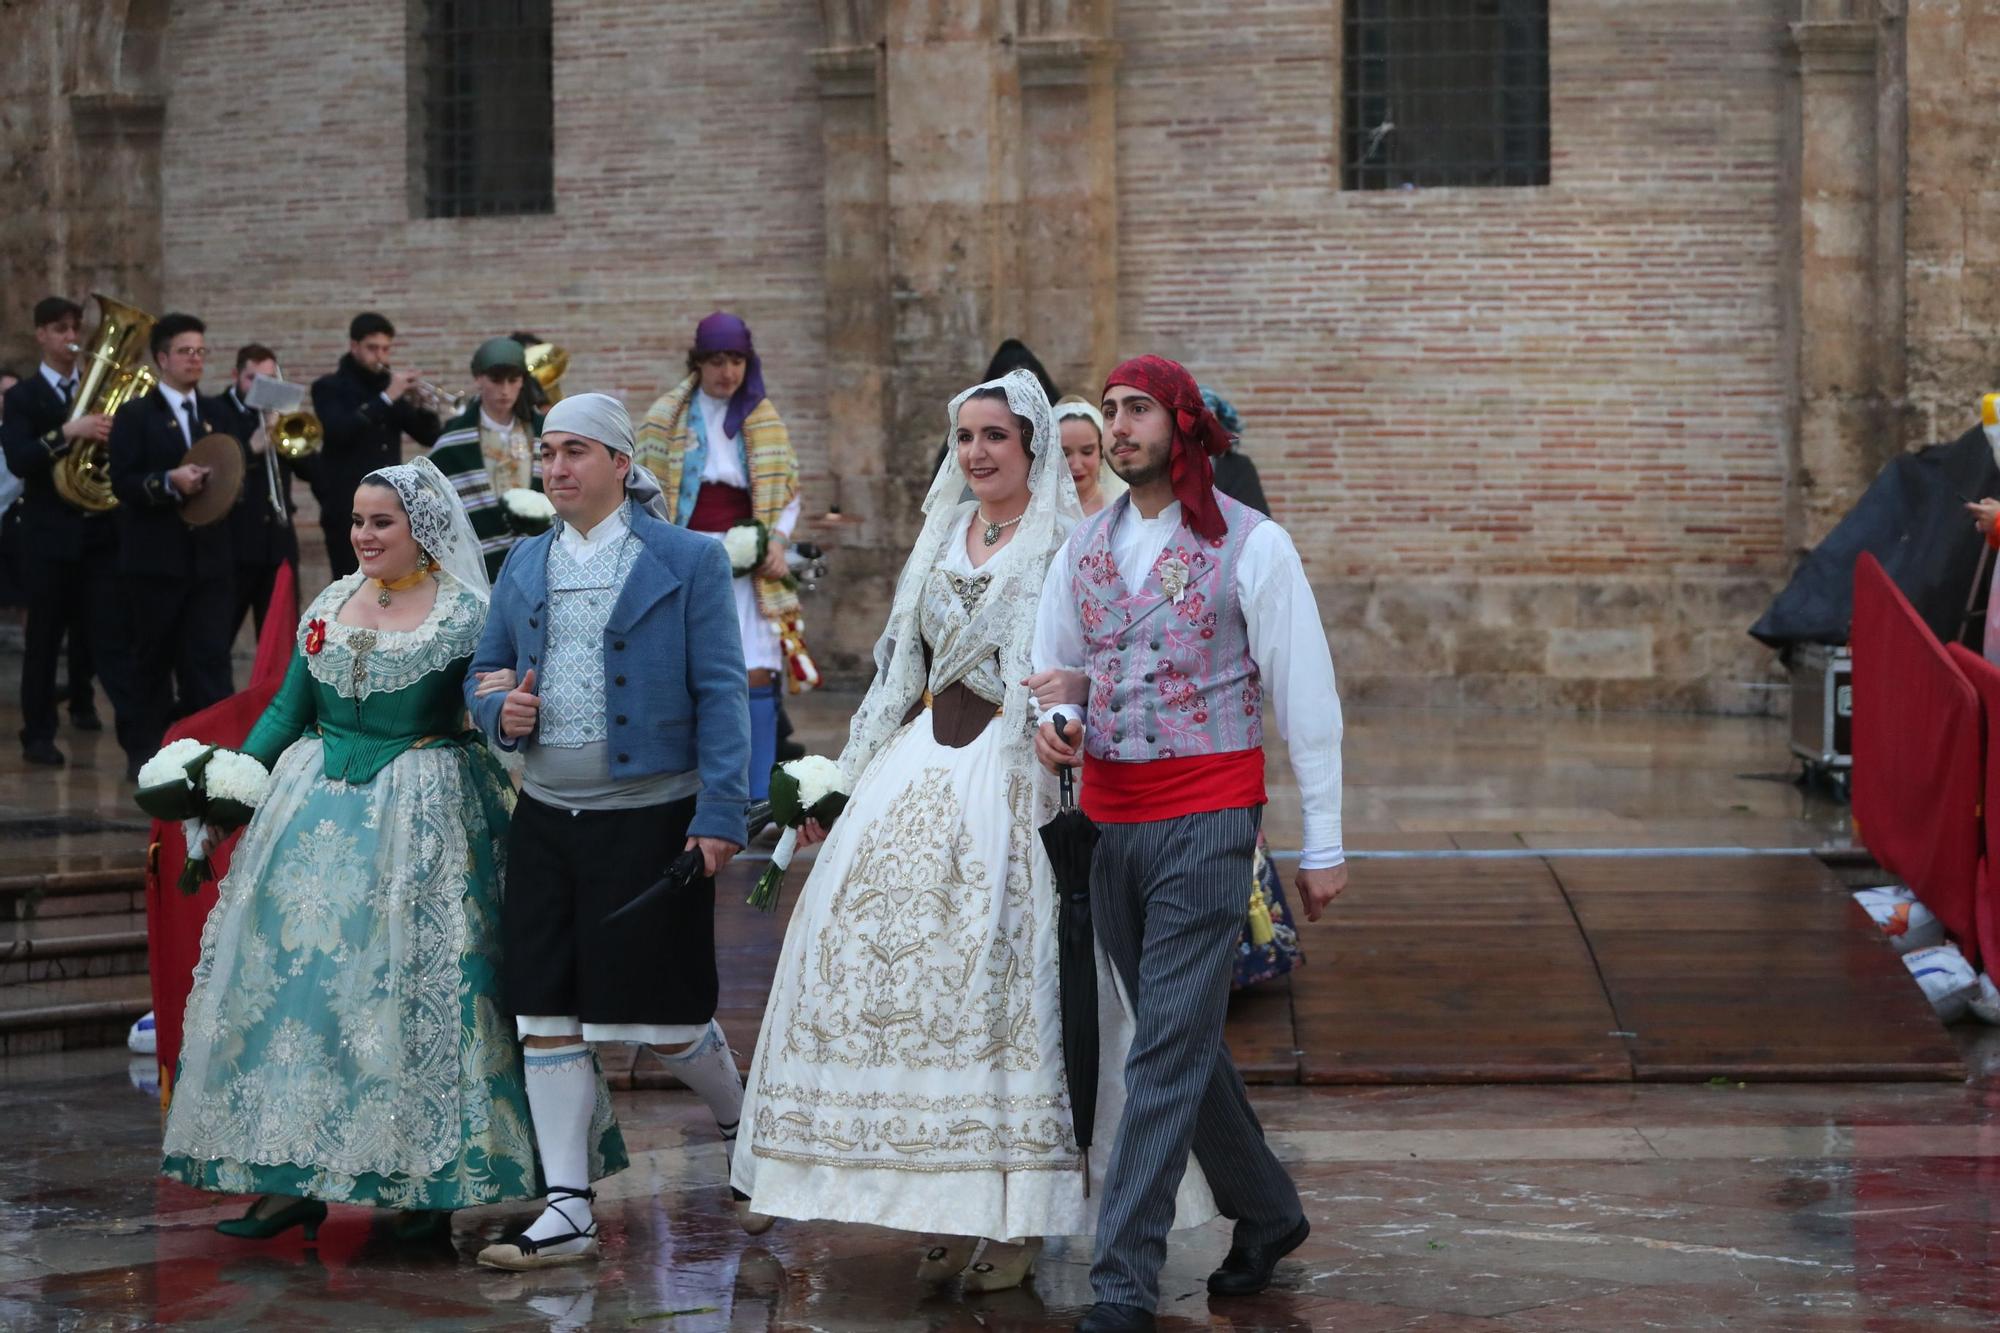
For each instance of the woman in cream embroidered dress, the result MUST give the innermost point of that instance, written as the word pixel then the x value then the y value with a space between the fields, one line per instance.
pixel 344 1038
pixel 910 1073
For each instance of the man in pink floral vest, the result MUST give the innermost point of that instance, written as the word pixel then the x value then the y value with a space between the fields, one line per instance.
pixel 1184 611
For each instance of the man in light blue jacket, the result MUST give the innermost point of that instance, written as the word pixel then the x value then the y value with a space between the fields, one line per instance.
pixel 614 636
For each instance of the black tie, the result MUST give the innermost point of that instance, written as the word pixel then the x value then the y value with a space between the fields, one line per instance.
pixel 194 431
pixel 68 392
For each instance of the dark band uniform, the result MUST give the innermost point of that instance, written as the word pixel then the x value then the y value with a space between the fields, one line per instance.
pixel 178 582
pixel 363 433
pixel 68 564
pixel 260 535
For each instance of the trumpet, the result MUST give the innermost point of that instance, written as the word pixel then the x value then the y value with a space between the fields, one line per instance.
pixel 428 395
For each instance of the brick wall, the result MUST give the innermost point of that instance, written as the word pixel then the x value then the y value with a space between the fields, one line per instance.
pixel 1529 441
pixel 686 178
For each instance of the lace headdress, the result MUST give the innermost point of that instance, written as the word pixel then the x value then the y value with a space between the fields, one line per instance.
pixel 437 521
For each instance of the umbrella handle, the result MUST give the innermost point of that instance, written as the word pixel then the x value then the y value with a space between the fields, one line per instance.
pixel 1065 776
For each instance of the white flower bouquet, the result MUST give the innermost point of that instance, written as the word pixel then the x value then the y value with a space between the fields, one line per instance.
pixel 210 790
pixel 746 545
pixel 528 511
pixel 810 788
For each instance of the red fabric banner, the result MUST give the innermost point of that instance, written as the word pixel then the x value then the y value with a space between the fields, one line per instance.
pixel 1985 678
pixel 1917 755
pixel 174 919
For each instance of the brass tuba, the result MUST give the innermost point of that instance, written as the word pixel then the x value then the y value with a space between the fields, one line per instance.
pixel 546 364
pixel 112 376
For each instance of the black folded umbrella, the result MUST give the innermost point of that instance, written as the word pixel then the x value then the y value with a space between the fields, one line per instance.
pixel 686 869
pixel 1071 840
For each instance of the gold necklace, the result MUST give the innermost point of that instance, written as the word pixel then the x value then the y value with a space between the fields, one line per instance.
pixel 402 584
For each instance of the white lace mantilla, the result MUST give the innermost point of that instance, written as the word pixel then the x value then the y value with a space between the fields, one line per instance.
pixel 355 662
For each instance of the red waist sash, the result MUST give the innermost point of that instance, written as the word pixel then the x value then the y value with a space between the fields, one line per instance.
pixel 1120 793
pixel 718 507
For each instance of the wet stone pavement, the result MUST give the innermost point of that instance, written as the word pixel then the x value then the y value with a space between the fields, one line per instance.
pixel 1605 1207
pixel 1636 1207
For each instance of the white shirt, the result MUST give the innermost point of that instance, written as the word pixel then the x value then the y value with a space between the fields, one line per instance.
pixel 56 378
pixel 1286 641
pixel 177 401
pixel 723 462
pixel 587 545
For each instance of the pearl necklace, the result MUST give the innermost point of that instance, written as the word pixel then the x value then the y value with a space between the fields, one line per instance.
pixel 993 530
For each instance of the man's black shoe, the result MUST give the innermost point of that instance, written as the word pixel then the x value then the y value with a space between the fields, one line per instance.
pixel 87 721
pixel 42 752
pixel 1247 1268
pixel 789 750
pixel 132 767
pixel 1110 1317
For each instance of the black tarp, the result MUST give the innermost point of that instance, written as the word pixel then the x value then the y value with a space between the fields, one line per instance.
pixel 1912 518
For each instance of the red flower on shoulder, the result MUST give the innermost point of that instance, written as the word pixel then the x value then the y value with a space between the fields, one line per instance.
pixel 315 637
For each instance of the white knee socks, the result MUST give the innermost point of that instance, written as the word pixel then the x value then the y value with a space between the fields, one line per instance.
pixel 562 1092
pixel 707 1067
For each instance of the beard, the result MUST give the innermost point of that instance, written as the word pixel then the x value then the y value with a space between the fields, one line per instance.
pixel 1145 470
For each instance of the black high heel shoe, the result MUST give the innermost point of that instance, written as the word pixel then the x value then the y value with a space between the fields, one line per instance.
pixel 307 1213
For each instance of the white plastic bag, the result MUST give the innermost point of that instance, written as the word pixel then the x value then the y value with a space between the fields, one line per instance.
pixel 1986 1005
pixel 1948 980
pixel 1908 923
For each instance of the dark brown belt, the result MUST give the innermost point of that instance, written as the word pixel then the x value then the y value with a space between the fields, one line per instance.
pixel 958 716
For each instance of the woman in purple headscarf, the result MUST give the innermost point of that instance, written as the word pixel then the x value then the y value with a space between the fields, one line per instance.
pixel 724 460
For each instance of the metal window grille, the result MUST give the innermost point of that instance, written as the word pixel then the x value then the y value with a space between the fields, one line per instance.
pixel 1445 92
pixel 488 108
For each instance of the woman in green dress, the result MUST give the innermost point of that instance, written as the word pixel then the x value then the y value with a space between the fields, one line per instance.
pixel 345 1038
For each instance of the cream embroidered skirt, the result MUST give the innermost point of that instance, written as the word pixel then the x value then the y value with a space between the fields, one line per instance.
pixel 910 1070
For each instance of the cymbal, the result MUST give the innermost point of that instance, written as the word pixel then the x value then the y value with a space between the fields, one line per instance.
pixel 222 455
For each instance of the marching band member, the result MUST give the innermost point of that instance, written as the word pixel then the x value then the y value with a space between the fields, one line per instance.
pixel 365 414
pixel 179 582
pixel 260 526
pixel 68 555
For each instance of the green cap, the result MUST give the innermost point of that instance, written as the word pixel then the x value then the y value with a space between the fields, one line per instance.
pixel 499 354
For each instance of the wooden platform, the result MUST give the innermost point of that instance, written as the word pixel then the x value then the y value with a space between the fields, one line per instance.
pixel 1568 969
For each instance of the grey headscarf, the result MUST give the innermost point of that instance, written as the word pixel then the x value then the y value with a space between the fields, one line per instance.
pixel 600 417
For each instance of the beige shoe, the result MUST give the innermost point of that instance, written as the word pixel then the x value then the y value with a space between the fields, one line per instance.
pixel 753 1223
pixel 518 1254
pixel 521 1255
pixel 947 1258
pixel 1003 1267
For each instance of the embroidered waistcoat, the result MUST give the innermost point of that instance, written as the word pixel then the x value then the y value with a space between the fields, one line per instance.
pixel 1170 670
pixel 582 594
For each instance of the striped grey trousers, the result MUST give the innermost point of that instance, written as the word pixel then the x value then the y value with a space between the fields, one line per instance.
pixel 1168 899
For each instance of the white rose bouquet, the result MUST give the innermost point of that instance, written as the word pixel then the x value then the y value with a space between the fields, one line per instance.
pixel 528 511
pixel 210 790
pixel 801 789
pixel 746 544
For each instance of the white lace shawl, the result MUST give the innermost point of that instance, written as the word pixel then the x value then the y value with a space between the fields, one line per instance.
pixel 1005 622
pixel 355 662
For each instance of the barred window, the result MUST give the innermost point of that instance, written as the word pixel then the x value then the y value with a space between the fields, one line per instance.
pixel 486 110
pixel 1445 92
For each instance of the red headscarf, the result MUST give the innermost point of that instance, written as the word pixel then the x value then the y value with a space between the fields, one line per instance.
pixel 1198 437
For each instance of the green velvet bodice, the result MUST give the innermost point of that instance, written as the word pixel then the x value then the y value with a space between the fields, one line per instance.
pixel 371 695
